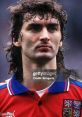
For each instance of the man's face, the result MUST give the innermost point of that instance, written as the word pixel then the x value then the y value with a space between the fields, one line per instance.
pixel 41 39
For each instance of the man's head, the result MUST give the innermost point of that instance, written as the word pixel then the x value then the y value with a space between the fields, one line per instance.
pixel 37 28
pixel 28 9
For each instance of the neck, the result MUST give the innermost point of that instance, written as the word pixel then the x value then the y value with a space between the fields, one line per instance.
pixel 29 67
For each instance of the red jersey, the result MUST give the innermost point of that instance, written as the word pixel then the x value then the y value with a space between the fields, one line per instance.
pixel 62 99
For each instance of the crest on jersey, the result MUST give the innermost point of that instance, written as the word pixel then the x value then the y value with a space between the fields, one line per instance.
pixel 72 108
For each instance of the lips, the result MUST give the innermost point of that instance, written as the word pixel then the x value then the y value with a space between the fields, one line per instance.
pixel 43 48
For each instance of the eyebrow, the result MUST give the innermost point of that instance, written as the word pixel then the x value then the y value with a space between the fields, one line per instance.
pixel 33 25
pixel 39 24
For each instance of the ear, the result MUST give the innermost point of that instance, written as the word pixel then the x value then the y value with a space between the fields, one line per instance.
pixel 60 45
pixel 17 43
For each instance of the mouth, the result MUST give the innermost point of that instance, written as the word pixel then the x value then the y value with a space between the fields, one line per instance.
pixel 43 48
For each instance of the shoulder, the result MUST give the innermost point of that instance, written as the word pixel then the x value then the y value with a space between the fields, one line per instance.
pixel 3 85
pixel 75 79
pixel 76 82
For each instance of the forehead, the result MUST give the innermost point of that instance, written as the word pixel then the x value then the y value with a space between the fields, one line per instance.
pixel 38 20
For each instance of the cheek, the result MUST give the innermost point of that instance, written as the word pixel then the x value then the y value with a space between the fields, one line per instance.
pixel 27 44
pixel 27 40
pixel 30 36
pixel 57 39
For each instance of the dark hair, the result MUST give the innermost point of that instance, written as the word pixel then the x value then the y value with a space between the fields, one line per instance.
pixel 27 9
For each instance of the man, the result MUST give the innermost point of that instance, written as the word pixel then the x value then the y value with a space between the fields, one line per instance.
pixel 37 36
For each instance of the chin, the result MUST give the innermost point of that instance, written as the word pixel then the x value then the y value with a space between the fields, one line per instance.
pixel 43 58
pixel 44 55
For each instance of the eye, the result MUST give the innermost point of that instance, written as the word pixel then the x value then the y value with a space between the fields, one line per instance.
pixel 35 28
pixel 52 27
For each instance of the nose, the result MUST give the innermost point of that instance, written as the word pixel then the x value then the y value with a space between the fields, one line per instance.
pixel 44 37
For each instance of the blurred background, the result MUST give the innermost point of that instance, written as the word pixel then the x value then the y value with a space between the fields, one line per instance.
pixel 72 43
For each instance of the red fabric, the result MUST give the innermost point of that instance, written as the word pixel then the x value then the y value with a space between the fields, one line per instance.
pixel 49 105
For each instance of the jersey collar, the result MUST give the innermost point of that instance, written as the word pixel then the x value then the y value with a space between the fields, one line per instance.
pixel 59 86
